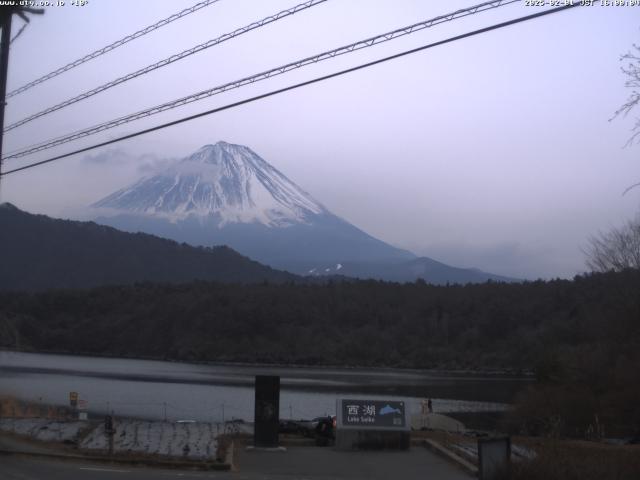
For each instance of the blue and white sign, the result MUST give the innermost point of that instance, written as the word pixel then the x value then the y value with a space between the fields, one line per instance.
pixel 372 413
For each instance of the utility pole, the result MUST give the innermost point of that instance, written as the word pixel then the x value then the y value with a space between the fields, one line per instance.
pixel 6 14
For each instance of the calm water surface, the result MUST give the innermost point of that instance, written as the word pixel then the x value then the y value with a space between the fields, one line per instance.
pixel 155 389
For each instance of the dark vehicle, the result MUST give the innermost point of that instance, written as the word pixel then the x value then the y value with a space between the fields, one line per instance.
pixel 325 431
pixel 308 427
pixel 290 426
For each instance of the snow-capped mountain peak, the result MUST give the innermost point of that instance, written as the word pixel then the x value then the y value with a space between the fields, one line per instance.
pixel 224 181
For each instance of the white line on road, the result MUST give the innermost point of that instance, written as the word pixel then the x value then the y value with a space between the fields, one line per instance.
pixel 93 469
pixel 195 475
pixel 163 474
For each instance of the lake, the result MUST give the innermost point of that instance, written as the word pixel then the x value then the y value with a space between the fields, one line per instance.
pixel 202 392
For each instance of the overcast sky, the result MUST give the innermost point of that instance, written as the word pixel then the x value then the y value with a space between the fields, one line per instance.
pixel 492 152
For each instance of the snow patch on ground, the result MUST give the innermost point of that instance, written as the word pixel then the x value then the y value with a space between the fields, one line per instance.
pixel 44 429
pixel 191 440
pixel 195 441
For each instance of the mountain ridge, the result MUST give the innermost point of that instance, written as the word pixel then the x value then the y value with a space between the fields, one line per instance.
pixel 227 194
pixel 41 252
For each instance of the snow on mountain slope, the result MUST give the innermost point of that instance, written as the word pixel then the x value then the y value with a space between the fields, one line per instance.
pixel 228 182
pixel 225 194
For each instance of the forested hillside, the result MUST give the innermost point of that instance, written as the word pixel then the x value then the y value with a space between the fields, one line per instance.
pixel 40 252
pixel 514 326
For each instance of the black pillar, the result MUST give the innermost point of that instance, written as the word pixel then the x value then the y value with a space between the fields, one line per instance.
pixel 267 412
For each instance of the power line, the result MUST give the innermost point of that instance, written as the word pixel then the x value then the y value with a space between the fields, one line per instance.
pixel 169 60
pixel 113 46
pixel 298 85
pixel 384 37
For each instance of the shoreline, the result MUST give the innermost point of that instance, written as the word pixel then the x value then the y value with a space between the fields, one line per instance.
pixel 475 374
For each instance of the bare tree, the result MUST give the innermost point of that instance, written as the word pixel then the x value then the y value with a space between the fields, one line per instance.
pixel 617 249
pixel 632 72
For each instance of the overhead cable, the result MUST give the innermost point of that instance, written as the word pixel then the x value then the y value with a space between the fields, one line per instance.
pixel 168 61
pixel 296 86
pixel 384 37
pixel 113 46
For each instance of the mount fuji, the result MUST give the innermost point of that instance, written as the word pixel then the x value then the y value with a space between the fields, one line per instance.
pixel 227 194
pixel 225 182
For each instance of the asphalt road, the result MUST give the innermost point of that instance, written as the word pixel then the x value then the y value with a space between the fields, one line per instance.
pixel 318 463
pixel 311 463
pixel 24 468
